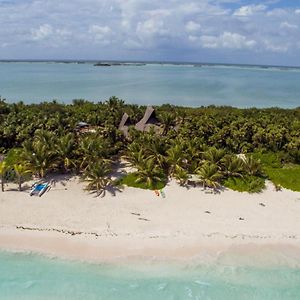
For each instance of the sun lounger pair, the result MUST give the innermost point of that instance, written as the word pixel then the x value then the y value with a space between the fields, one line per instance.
pixel 38 189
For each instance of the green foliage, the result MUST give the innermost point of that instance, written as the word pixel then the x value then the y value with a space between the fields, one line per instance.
pixel 3 170
pixel 269 159
pixel 13 156
pixel 209 175
pixel 97 176
pixel 205 139
pixel 21 170
pixel 288 177
pixel 250 184
pixel 252 166
pixel 131 180
pixel 180 175
pixel 285 175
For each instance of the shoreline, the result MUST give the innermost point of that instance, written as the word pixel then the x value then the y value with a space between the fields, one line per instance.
pixel 214 248
pixel 188 225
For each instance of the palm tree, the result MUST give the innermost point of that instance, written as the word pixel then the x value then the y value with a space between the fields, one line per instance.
pixel 168 120
pixel 149 172
pixel 175 159
pixel 90 149
pixel 157 150
pixel 214 155
pixel 252 167
pixel 64 149
pixel 97 176
pixel 180 175
pixel 231 166
pixel 38 157
pixel 209 175
pixel 3 170
pixel 21 170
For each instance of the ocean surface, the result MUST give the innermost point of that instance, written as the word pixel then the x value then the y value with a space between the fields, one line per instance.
pixel 24 276
pixel 186 85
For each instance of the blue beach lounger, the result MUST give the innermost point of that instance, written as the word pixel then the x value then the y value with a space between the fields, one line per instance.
pixel 39 189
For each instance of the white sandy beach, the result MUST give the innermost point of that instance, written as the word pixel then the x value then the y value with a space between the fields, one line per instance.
pixel 70 222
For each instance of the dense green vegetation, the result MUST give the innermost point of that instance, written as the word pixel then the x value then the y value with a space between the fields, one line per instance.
pixel 280 170
pixel 132 180
pixel 38 139
pixel 248 184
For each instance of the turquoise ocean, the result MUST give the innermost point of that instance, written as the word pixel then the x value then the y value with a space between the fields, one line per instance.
pixel 180 84
pixel 26 276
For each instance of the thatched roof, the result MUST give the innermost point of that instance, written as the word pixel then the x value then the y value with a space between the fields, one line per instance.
pixel 149 120
pixel 124 121
pixel 124 124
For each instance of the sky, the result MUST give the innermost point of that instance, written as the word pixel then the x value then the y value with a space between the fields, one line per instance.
pixel 218 31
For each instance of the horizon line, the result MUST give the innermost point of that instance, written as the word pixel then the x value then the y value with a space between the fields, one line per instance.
pixel 174 62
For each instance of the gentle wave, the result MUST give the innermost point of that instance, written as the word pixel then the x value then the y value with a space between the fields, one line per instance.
pixel 35 277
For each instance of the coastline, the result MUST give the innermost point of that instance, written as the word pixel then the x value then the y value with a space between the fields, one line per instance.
pixel 136 225
pixel 242 251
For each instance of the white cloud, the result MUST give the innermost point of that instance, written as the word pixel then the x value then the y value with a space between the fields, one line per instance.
pixel 227 40
pixel 101 34
pixel 249 10
pixel 148 27
pixel 151 27
pixel 288 25
pixel 42 33
pixel 192 26
pixel 277 48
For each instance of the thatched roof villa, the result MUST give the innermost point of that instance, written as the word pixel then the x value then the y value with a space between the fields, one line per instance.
pixel 149 121
pixel 124 124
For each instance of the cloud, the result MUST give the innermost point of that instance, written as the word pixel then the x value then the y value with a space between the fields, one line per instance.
pixel 101 34
pixel 147 29
pixel 192 26
pixel 249 10
pixel 276 48
pixel 288 25
pixel 227 40
pixel 41 33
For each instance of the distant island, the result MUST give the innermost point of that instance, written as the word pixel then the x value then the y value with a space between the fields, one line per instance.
pixel 106 63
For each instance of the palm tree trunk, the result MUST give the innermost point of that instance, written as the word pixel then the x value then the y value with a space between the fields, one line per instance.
pixel 20 183
pixel 2 183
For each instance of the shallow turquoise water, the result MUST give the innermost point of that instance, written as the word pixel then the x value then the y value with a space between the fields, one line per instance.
pixel 35 277
pixel 151 84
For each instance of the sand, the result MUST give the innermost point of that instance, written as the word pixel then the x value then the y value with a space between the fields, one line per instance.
pixel 70 222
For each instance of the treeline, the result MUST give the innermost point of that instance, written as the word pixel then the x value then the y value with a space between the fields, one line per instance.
pixel 44 138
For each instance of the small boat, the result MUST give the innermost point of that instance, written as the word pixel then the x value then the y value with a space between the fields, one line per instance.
pixel 39 189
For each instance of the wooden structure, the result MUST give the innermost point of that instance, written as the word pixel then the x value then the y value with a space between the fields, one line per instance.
pixel 124 124
pixel 149 121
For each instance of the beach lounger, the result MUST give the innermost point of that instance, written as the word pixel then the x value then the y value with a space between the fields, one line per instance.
pixel 156 192
pixel 39 189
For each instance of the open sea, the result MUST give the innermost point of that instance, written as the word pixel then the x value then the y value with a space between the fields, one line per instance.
pixel 24 276
pixel 32 277
pixel 180 84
